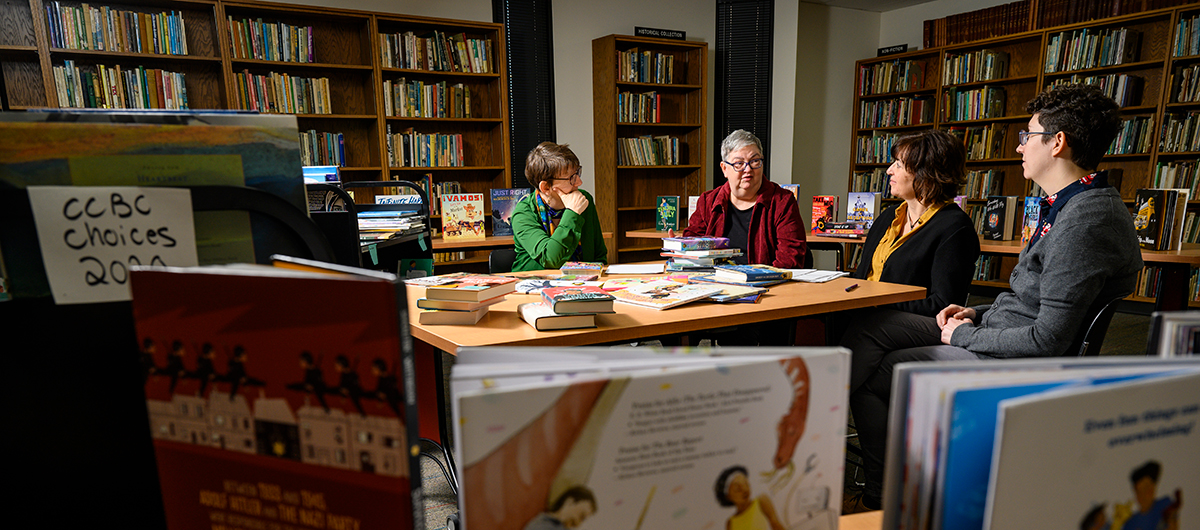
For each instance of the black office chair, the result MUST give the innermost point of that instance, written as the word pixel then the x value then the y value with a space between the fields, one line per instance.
pixel 501 260
pixel 1087 344
pixel 824 246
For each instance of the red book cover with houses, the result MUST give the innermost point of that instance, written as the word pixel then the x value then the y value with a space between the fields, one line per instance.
pixel 273 406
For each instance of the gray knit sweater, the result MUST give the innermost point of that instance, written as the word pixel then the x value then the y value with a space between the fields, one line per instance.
pixel 1090 255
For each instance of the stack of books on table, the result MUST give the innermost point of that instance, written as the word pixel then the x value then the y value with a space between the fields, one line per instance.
pixel 697 254
pixel 752 275
pixel 460 298
pixel 582 268
pixel 567 307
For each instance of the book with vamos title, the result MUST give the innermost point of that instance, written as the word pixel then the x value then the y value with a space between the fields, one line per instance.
pixel 664 294
pixel 578 299
pixel 655 439
pixel 504 201
pixel 462 216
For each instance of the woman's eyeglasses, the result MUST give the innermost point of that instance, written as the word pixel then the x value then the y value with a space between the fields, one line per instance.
pixel 1023 136
pixel 741 164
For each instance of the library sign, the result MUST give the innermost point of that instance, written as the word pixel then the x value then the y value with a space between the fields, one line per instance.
pixel 92 236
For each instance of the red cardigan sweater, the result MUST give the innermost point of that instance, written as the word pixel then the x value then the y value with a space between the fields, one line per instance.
pixel 776 235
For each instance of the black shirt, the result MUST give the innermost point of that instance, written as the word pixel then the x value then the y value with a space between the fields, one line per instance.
pixel 737 229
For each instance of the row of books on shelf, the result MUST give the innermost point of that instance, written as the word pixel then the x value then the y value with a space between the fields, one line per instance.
pixel 876 148
pixel 418 99
pixel 283 93
pixel 436 52
pixel 1187 37
pixel 984 23
pixel 895 112
pixel 1181 174
pixel 435 191
pixel 270 41
pixel 970 67
pixel 645 67
pixel 981 183
pixel 1186 83
pixel 639 108
pixel 973 104
pixel 1136 136
pixel 648 150
pixel 1125 89
pixel 83 27
pixel 112 87
pixel 1090 48
pixel 987 268
pixel 875 180
pixel 1160 218
pixel 413 149
pixel 322 148
pixel 891 76
pixel 1180 133
pixel 984 142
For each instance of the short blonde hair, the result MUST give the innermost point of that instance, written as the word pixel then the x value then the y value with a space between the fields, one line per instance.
pixel 547 160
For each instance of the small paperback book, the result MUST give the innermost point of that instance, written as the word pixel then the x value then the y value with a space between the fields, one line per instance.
pixel 471 288
pixel 578 299
pixel 694 243
pixel 664 294
pixel 751 273
pixel 862 207
pixel 462 216
pixel 542 318
pixel 582 267
pixel 824 210
pixel 666 213
pixel 504 201
pixel 1000 216
pixel 1033 211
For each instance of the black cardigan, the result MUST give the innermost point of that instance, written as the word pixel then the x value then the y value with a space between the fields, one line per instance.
pixel 939 257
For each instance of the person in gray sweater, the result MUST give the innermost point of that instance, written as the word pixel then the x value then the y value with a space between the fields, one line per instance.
pixel 1083 254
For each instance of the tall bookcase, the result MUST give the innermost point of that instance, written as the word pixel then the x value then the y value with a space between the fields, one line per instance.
pixel 223 70
pixel 1029 67
pixel 667 101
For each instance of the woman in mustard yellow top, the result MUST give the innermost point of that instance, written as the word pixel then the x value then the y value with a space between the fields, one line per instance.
pixel 753 513
pixel 926 240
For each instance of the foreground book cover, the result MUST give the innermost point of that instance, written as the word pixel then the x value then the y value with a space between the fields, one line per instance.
pixel 274 406
pixel 698 443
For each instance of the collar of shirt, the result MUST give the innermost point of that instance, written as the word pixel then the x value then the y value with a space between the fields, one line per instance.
pixel 1050 206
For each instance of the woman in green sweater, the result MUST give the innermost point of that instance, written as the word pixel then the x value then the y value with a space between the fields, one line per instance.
pixel 558 222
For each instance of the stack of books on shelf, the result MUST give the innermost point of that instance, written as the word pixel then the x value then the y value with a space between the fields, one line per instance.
pixel 1147 281
pixel 645 67
pixel 460 298
pixel 1187 37
pixel 412 149
pixel 377 222
pixel 111 87
pixel 875 180
pixel 270 41
pixel 322 148
pixel 982 65
pixel 113 30
pixel 418 99
pixel 984 23
pixel 894 76
pixel 1159 217
pixel 436 52
pixel 648 151
pixel 567 307
pixel 1089 48
pixel 1180 133
pixel 987 268
pixel 1125 89
pixel 435 190
pixel 697 253
pixel 639 108
pixel 1185 83
pixel 283 93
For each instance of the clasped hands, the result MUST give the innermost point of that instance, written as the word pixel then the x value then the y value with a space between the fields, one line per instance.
pixel 952 317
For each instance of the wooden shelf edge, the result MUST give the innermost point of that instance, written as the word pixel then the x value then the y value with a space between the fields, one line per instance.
pixel 413 71
pixel 234 63
pixel 468 244
pixel 444 120
pixel 134 55
pixel 459 168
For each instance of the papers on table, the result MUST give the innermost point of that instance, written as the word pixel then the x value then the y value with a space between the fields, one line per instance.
pixel 815 275
pixel 636 268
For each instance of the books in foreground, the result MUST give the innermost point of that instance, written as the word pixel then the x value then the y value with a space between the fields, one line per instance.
pixel 543 318
pixel 1038 443
pixel 648 436
pixel 465 286
pixel 664 294
pixel 266 406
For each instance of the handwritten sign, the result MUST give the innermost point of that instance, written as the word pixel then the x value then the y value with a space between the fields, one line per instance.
pixel 91 236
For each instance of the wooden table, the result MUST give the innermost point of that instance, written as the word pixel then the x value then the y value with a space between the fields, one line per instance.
pixel 862 521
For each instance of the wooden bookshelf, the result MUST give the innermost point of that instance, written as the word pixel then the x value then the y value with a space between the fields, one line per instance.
pixel 1029 71
pixel 345 52
pixel 625 194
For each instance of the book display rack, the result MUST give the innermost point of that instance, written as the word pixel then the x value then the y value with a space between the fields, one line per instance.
pixel 655 90
pixel 332 68
pixel 1147 61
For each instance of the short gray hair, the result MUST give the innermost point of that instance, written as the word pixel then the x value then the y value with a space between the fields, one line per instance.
pixel 737 140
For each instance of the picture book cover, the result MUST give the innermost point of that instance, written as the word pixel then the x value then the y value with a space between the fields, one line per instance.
pixel 504 201
pixel 462 216
pixel 616 284
pixel 1033 213
pixel 267 410
pixel 752 273
pixel 471 287
pixel 664 294
pixel 1125 457
pixel 694 243
pixel 824 210
pixel 743 439
pixel 999 217
pixel 666 213
pixel 578 299
pixel 535 285
pixel 862 207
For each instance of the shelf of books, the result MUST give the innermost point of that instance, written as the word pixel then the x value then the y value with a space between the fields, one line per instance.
pixel 1148 62
pixel 650 125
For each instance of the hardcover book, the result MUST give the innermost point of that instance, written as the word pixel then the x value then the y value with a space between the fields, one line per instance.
pixel 471 288
pixel 582 267
pixel 751 273
pixel 1159 217
pixel 451 316
pixel 535 285
pixel 504 201
pixel 452 305
pixel 462 216
pixel 1000 217
pixel 694 243
pixel 1033 215
pixel 268 408
pixel 664 294
pixel 713 278
pixel 824 210
pixel 577 299
pixel 650 439
pixel 666 213
pixel 862 208
pixel 542 318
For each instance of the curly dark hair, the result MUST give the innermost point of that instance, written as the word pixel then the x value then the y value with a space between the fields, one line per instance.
pixel 1150 470
pixel 938 162
pixel 1088 118
pixel 722 485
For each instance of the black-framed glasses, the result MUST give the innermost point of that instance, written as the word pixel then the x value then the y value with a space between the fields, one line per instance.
pixel 578 174
pixel 754 163
pixel 1023 136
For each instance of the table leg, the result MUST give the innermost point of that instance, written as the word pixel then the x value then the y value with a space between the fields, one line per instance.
pixel 431 389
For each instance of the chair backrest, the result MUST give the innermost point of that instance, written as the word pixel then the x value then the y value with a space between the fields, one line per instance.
pixel 501 260
pixel 1088 343
pixel 832 247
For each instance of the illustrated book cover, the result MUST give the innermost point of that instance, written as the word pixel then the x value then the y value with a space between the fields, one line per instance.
pixel 824 210
pixel 462 216
pixel 664 294
pixel 1033 215
pixel 862 208
pixel 268 409
pixel 1000 217
pixel 470 287
pixel 578 299
pixel 504 201
pixel 666 213
pixel 630 438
